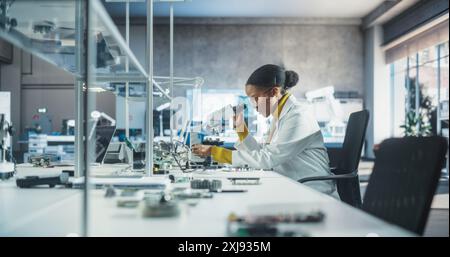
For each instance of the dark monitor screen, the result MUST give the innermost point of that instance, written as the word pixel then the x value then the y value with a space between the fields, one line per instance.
pixel 103 136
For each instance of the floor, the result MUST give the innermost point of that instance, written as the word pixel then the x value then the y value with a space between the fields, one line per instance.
pixel 437 225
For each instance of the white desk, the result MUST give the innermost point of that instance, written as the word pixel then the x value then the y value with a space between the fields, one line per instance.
pixel 57 212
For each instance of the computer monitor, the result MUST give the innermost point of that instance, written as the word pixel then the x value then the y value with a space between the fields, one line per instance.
pixel 103 136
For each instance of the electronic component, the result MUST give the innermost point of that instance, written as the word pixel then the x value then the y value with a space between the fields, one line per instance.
pixel 51 181
pixel 245 168
pixel 110 192
pixel 260 230
pixel 158 171
pixel 172 178
pixel 41 160
pixel 168 155
pixel 160 206
pixel 302 217
pixel 128 203
pixel 192 194
pixel 179 179
pixel 129 192
pixel 245 181
pixel 228 191
pixel 271 225
pixel 214 184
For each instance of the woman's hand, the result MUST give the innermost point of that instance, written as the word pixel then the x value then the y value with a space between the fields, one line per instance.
pixel 202 150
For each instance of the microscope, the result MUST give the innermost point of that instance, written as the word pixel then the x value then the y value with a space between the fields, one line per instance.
pixel 216 121
pixel 7 168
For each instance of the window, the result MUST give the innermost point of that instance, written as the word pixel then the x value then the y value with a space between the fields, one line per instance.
pixel 415 110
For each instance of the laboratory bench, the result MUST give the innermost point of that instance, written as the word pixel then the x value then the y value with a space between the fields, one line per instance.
pixel 58 211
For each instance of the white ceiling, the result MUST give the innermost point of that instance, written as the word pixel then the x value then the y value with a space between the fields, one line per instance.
pixel 255 8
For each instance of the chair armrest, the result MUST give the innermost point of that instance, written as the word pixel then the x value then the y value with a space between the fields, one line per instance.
pixel 330 177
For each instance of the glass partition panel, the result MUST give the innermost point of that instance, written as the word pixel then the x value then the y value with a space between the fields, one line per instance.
pixel 116 118
pixel 38 99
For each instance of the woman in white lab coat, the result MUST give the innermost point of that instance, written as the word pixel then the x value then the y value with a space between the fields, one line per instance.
pixel 294 147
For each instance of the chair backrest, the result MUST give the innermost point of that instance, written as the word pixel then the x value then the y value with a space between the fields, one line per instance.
pixel 355 135
pixel 350 155
pixel 404 179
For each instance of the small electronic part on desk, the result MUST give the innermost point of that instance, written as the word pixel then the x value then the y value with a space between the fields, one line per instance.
pixel 229 191
pixel 271 225
pixel 214 184
pixel 298 217
pixel 191 194
pixel 127 198
pixel 155 203
pixel 246 168
pixel 180 179
pixel 51 181
pixel 168 155
pixel 43 160
pixel 160 206
pixel 241 169
pixel 245 181
pixel 110 192
pixel 128 202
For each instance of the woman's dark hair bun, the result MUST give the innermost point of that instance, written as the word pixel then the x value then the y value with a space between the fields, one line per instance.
pixel 271 75
pixel 291 79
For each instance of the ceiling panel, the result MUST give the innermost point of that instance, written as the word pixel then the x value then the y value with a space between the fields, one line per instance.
pixel 254 8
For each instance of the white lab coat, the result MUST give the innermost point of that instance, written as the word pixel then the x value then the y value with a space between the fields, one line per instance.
pixel 296 149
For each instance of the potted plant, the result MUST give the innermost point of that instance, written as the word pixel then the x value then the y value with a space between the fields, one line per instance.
pixel 418 124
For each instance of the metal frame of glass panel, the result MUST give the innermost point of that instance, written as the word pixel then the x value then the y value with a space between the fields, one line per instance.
pixel 439 118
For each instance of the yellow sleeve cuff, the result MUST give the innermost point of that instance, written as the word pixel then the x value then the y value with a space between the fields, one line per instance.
pixel 221 155
pixel 243 134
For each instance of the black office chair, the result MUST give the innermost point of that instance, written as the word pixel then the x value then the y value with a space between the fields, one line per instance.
pixel 404 180
pixel 346 172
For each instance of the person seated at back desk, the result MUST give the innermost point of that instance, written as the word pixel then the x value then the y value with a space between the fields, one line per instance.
pixel 294 147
